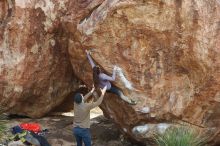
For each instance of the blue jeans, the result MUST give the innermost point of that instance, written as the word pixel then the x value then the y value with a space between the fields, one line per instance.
pixel 82 135
pixel 116 91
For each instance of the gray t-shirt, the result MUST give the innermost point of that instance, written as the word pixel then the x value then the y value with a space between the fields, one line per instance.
pixel 82 113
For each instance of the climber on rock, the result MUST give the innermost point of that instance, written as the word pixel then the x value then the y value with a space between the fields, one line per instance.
pixel 81 122
pixel 100 80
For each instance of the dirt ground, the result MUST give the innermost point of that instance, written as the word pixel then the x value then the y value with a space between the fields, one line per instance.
pixel 103 131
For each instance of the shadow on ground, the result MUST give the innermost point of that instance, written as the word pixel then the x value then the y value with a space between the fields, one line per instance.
pixel 104 132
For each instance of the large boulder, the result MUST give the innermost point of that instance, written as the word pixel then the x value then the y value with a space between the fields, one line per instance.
pixel 169 53
pixel 35 71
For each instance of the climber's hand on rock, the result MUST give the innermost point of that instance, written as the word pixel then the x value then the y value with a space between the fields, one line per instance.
pixel 88 52
pixel 103 90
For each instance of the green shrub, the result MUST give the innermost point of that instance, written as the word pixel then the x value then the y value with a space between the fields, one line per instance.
pixel 181 136
pixel 3 127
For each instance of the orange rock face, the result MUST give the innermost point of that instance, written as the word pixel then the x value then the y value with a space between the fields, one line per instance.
pixel 35 71
pixel 168 52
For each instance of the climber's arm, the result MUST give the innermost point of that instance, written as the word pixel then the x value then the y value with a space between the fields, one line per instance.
pixel 90 59
pixel 89 94
pixel 99 101
pixel 9 4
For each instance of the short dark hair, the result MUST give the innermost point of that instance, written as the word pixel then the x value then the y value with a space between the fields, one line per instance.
pixel 78 98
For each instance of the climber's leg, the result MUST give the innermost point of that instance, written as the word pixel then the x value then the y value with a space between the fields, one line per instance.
pixel 118 92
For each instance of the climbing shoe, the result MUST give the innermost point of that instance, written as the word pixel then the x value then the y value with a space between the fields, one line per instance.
pixel 133 102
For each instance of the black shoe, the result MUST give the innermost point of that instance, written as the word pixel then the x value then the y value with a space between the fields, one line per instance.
pixel 133 102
